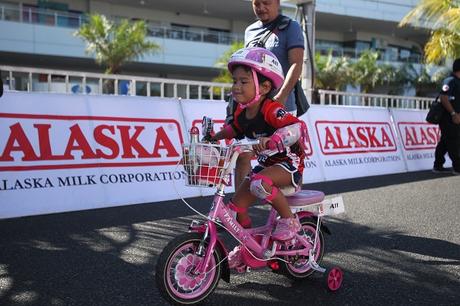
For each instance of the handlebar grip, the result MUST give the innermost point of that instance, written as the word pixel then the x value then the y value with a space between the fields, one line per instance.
pixel 247 142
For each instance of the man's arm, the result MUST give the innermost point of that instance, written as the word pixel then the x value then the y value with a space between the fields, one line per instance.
pixel 450 109
pixel 295 57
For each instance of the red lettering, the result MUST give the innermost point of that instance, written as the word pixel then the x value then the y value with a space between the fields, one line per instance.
pixel 106 141
pixel 362 136
pixel 330 141
pixel 130 142
pixel 45 143
pixel 423 138
pixel 411 139
pixel 386 140
pixel 76 136
pixel 352 141
pixel 42 141
pixel 339 136
pixel 374 142
pixel 162 142
pixel 433 134
pixel 18 136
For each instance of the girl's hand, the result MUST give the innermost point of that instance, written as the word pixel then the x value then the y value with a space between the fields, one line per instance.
pixel 262 144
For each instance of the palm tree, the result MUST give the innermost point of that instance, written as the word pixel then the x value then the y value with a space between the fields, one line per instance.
pixel 225 76
pixel 113 44
pixel 331 73
pixel 368 73
pixel 443 18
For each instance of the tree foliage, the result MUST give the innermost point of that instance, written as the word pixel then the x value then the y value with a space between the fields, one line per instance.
pixel 113 44
pixel 443 18
pixel 331 73
pixel 368 73
pixel 225 76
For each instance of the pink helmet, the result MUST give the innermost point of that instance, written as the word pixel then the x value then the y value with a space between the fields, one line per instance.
pixel 260 60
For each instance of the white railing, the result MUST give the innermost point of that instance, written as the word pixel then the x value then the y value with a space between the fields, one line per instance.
pixel 60 81
pixel 330 97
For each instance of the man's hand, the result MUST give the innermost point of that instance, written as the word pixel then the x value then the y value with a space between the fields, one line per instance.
pixel 456 118
pixel 280 98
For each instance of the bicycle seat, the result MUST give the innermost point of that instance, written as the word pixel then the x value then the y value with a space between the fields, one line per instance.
pixel 305 197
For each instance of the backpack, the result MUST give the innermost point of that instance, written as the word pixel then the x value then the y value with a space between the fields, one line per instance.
pixel 435 112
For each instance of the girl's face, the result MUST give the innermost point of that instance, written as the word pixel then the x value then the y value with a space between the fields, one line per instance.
pixel 243 89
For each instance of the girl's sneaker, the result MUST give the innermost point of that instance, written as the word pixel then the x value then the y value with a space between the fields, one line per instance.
pixel 286 228
pixel 235 259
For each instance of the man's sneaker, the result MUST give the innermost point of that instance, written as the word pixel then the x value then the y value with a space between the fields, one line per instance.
pixel 286 228
pixel 455 172
pixel 235 259
pixel 440 170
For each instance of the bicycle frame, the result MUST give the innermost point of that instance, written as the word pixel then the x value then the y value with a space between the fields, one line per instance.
pixel 226 216
pixel 190 266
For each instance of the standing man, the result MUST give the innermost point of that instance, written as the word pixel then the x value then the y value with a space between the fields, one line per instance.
pixel 450 122
pixel 287 43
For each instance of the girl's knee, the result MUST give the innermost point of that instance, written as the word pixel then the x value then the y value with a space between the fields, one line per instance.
pixel 262 187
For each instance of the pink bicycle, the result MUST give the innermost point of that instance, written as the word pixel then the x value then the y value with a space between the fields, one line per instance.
pixel 191 265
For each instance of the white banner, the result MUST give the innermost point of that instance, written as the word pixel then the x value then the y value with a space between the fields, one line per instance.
pixel 65 152
pixel 355 142
pixel 193 111
pixel 418 139
pixel 73 152
pixel 313 171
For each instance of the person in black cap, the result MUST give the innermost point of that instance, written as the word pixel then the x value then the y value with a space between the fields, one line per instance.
pixel 450 123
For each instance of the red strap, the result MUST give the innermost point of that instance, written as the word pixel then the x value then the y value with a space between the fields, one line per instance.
pixel 273 194
pixel 265 179
pixel 246 223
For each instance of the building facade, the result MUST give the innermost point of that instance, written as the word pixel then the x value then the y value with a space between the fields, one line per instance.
pixel 194 34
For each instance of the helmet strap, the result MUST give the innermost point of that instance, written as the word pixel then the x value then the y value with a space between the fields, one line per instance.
pixel 258 95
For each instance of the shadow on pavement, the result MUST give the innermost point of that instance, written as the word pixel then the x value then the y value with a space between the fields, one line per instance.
pixel 107 257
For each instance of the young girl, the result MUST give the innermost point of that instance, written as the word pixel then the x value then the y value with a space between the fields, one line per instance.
pixel 257 74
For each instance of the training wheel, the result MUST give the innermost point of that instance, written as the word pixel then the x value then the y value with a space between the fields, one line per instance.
pixel 334 279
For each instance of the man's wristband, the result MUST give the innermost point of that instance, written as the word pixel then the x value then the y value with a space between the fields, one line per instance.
pixel 453 113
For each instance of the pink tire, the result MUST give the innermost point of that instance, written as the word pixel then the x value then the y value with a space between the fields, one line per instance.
pixel 176 278
pixel 334 279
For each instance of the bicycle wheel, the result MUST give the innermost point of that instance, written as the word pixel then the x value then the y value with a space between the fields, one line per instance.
pixel 298 267
pixel 175 271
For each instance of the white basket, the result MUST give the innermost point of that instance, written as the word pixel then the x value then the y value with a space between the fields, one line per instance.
pixel 204 163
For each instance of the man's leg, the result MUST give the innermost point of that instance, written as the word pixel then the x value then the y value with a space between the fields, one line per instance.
pixel 441 149
pixel 455 148
pixel 453 144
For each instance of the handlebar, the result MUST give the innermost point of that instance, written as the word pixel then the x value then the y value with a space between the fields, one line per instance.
pixel 246 144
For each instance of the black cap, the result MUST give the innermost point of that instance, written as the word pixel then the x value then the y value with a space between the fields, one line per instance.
pixel 456 65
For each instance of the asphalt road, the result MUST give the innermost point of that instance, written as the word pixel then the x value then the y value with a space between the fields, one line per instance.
pixel 398 244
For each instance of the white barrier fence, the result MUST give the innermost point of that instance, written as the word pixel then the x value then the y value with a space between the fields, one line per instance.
pixel 64 81
pixel 73 152
pixel 332 97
